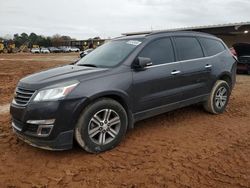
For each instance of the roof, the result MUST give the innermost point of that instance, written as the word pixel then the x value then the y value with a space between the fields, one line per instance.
pixel 230 27
pixel 164 34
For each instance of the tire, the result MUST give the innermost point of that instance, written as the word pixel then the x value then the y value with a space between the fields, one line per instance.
pixel 91 126
pixel 218 98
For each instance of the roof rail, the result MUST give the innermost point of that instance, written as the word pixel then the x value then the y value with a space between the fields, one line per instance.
pixel 137 33
pixel 164 31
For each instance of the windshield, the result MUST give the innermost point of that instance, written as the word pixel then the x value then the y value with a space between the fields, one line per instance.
pixel 110 54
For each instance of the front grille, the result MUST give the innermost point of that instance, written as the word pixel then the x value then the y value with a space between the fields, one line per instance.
pixel 23 96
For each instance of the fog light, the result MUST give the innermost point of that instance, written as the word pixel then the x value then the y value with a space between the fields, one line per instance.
pixel 44 126
pixel 44 130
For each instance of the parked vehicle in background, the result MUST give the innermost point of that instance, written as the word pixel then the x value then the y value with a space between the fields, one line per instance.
pixel 86 52
pixel 44 50
pixel 123 81
pixel 74 49
pixel 242 50
pixel 54 50
pixel 64 49
pixel 35 50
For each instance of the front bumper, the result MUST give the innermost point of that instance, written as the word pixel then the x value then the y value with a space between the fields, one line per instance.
pixel 65 113
pixel 62 142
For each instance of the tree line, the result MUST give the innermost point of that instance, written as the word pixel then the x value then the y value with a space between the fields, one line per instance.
pixel 34 39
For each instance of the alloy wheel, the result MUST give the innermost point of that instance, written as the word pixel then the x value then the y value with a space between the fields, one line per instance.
pixel 104 126
pixel 221 97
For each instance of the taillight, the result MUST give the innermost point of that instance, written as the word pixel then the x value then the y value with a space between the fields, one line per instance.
pixel 232 50
pixel 234 54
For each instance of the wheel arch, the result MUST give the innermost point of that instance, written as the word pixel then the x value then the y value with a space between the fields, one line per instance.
pixel 118 96
pixel 226 76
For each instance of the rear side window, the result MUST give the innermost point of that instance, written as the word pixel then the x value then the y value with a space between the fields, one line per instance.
pixel 211 46
pixel 188 48
pixel 159 51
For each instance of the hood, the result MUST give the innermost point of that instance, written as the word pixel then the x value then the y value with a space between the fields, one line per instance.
pixel 242 49
pixel 60 74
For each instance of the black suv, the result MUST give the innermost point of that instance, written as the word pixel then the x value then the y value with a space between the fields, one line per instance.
pixel 125 80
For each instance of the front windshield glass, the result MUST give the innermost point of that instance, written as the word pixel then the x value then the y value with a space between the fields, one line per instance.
pixel 110 54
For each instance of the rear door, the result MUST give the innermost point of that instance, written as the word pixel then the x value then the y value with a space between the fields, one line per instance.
pixel 195 69
pixel 213 50
pixel 158 84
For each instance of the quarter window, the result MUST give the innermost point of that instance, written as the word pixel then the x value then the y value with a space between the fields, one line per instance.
pixel 188 48
pixel 159 51
pixel 211 46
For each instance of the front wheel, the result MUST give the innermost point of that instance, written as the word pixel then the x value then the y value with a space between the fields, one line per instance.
pixel 218 98
pixel 101 126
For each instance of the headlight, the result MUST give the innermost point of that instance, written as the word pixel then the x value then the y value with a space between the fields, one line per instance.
pixel 55 92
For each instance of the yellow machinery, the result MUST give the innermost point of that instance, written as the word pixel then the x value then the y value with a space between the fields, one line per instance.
pixel 23 48
pixel 35 46
pixel 7 47
pixel 11 48
pixel 1 47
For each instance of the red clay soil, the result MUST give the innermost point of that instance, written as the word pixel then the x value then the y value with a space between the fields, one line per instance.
pixel 183 148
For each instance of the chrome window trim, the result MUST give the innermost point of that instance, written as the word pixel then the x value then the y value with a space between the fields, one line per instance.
pixel 170 63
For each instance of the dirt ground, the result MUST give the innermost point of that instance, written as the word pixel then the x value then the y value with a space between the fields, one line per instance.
pixel 183 148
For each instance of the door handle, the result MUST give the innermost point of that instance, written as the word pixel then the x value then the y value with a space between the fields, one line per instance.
pixel 208 66
pixel 175 72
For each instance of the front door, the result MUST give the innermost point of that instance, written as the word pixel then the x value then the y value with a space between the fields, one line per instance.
pixel 159 84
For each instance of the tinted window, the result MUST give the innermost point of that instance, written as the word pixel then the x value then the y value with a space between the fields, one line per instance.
pixel 188 48
pixel 159 51
pixel 212 46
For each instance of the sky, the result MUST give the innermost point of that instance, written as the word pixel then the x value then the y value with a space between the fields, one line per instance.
pixel 83 19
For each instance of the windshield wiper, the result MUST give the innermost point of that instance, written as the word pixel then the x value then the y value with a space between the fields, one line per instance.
pixel 87 65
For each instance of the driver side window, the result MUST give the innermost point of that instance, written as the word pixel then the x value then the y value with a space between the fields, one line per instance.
pixel 159 51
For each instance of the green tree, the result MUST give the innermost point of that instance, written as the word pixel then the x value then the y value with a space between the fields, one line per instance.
pixel 32 39
pixel 17 39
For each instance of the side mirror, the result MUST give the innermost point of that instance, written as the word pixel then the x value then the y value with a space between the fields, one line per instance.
pixel 142 62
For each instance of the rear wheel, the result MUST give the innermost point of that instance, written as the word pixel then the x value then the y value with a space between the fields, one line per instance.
pixel 101 126
pixel 218 98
